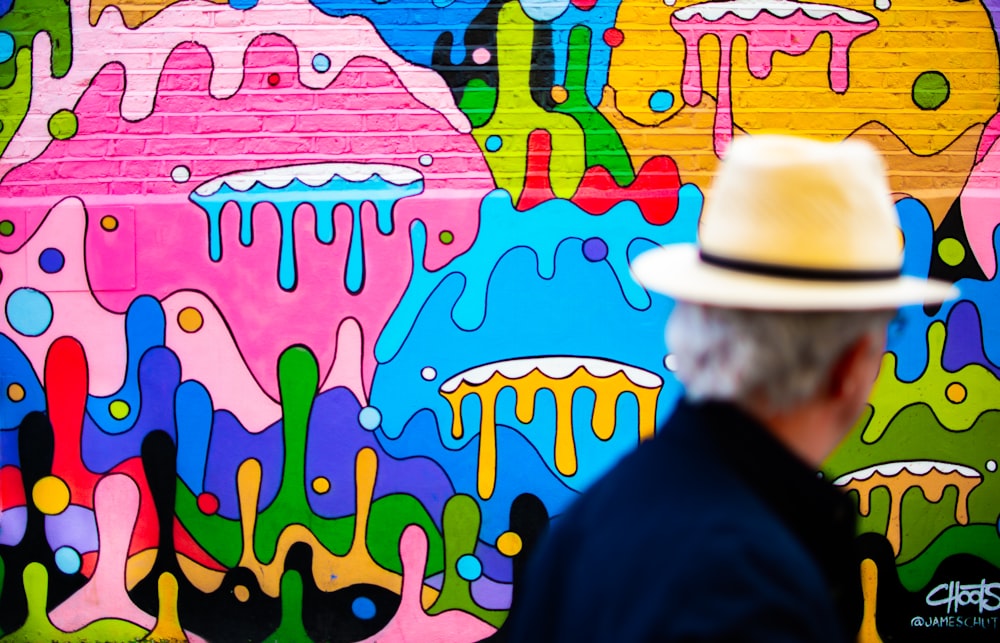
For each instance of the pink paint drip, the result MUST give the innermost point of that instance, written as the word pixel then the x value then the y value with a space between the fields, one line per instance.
pixel 765 34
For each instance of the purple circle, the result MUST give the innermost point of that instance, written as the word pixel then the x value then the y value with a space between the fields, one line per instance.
pixel 51 260
pixel 595 249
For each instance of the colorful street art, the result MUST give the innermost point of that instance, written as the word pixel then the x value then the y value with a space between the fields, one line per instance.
pixel 316 312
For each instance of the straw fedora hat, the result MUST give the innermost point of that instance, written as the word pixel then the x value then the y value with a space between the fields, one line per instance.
pixel 793 224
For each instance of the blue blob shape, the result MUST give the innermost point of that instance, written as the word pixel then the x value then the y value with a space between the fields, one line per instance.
pixel 321 63
pixel 6 40
pixel 661 101
pixel 15 369
pixel 469 567
pixel 369 418
pixel 51 260
pixel 441 4
pixel 242 5
pixel 193 410
pixel 595 249
pixel 5 6
pixel 493 143
pixel 68 560
pixel 29 311
pixel 364 608
pixel 544 10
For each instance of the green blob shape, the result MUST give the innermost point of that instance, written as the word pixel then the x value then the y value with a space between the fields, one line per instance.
pixel 951 251
pixel 119 409
pixel 389 516
pixel 27 18
pixel 931 90
pixel 6 227
pixel 14 99
pixel 63 125
pixel 603 144
pixel 291 627
pixel 977 540
pixel 478 102
pixel 219 536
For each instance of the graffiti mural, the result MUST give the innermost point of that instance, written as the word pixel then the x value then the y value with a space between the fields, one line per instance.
pixel 316 312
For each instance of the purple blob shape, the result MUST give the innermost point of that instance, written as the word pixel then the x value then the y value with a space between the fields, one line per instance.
pixel 491 595
pixel 595 249
pixel 963 344
pixel 75 527
pixel 229 446
pixel 13 524
pixel 51 260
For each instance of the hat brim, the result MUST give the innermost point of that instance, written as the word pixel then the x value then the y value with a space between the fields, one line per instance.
pixel 679 272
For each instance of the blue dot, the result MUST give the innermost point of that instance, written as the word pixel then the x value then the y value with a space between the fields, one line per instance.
pixel 469 567
pixel 6 46
pixel 51 260
pixel 595 249
pixel 364 608
pixel 68 560
pixel 242 5
pixel 661 101
pixel 321 63
pixel 29 312
pixel 369 418
pixel 494 143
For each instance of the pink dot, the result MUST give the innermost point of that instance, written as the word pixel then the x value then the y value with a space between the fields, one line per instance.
pixel 481 56
pixel 584 5
pixel 208 504
pixel 614 37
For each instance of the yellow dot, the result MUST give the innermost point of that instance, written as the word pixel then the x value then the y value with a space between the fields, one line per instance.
pixel 955 393
pixel 119 409
pixel 241 593
pixel 321 485
pixel 509 544
pixel 559 94
pixel 109 223
pixel 15 392
pixel 50 495
pixel 190 320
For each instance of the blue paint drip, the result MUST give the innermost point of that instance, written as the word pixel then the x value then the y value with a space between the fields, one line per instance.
pixel 193 414
pixel 600 17
pixel 324 199
pixel 145 329
pixel 16 369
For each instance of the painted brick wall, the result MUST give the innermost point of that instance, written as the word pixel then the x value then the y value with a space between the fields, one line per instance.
pixel 315 312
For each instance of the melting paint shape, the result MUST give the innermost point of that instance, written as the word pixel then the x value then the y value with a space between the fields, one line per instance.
pixel 930 476
pixel 193 413
pixel 291 627
pixel 769 26
pixel 168 625
pixel 869 591
pixel 563 377
pixel 16 370
pixel 324 186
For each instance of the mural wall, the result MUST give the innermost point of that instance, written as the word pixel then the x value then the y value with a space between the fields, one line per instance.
pixel 316 311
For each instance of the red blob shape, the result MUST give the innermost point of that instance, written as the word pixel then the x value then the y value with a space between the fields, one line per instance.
pixel 613 37
pixel 584 5
pixel 273 79
pixel 208 503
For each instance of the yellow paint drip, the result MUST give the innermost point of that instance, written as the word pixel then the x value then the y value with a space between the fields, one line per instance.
pixel 168 625
pixel 607 390
pixel 205 579
pixel 138 567
pixel 932 484
pixel 869 589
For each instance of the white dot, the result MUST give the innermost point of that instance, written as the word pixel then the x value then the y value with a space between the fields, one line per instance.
pixel 369 418
pixel 426 159
pixel 991 465
pixel 883 5
pixel 180 174
pixel 670 361
pixel 669 3
pixel 428 373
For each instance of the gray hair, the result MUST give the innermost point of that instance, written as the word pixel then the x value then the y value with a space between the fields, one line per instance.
pixel 752 356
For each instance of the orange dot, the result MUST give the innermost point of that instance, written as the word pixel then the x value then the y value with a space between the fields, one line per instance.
pixel 559 94
pixel 509 544
pixel 190 320
pixel 955 393
pixel 15 392
pixel 109 223
pixel 241 593
pixel 321 485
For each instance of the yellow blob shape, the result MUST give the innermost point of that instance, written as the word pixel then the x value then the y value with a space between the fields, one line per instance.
pixel 509 544
pixel 241 593
pixel 955 393
pixel 119 409
pixel 321 485
pixel 168 625
pixel 190 320
pixel 559 94
pixel 15 392
pixel 50 495
pixel 109 223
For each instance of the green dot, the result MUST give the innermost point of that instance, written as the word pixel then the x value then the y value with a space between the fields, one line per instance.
pixel 6 227
pixel 931 90
pixel 446 237
pixel 119 409
pixel 63 124
pixel 951 251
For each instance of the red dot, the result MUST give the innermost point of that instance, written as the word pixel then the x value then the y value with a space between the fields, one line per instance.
pixel 613 37
pixel 584 5
pixel 208 503
pixel 274 79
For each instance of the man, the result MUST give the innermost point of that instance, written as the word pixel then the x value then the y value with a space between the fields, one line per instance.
pixel 720 528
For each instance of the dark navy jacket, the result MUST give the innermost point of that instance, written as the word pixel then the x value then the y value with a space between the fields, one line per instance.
pixel 712 531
